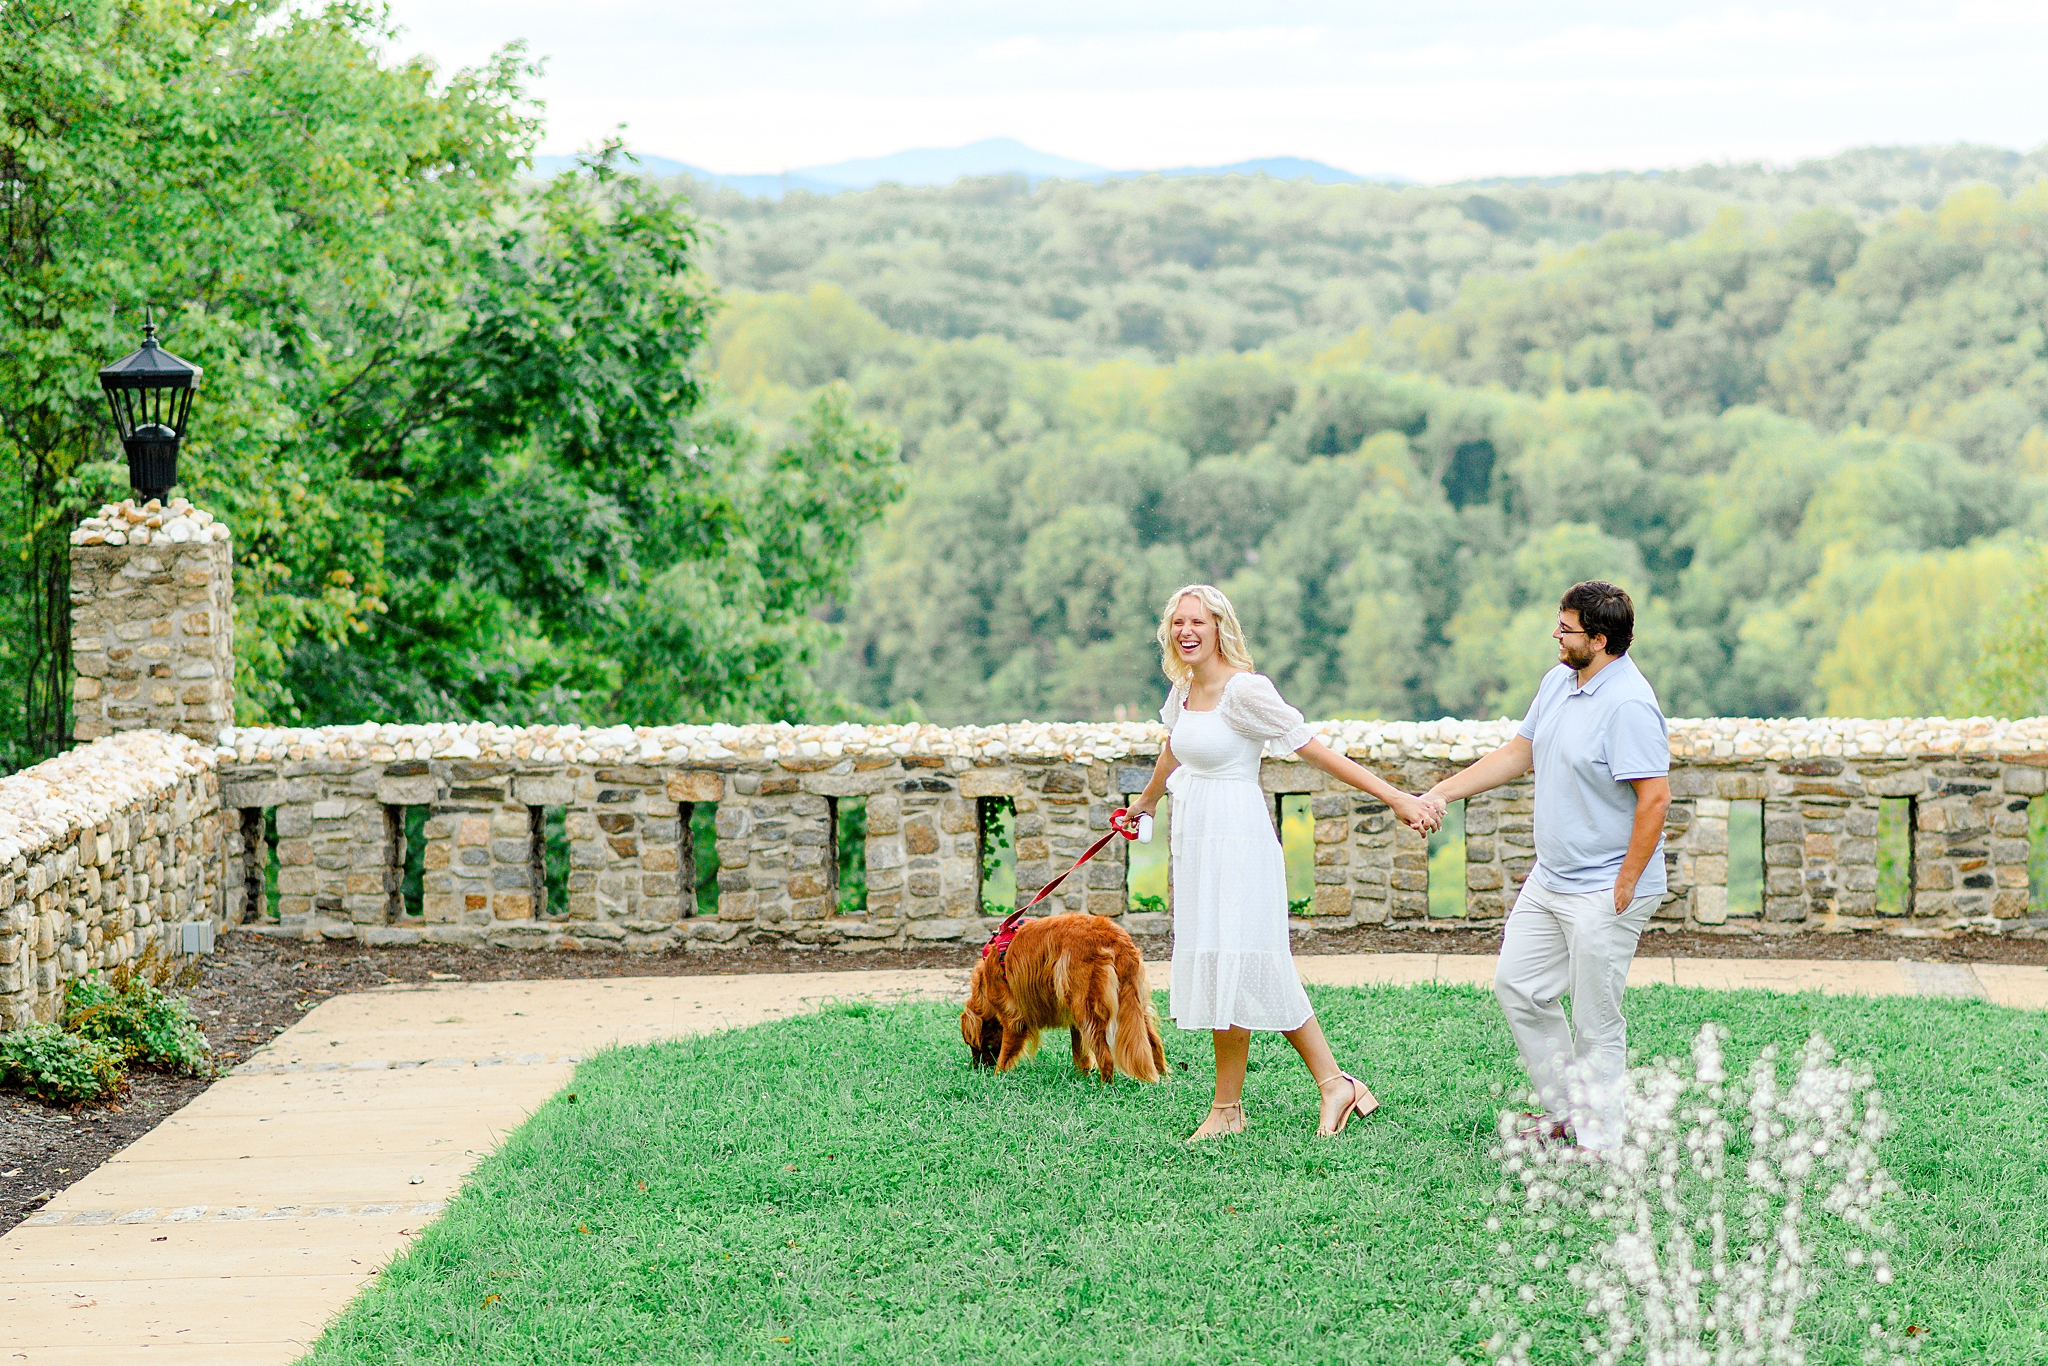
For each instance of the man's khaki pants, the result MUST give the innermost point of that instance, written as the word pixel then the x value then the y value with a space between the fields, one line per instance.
pixel 1559 942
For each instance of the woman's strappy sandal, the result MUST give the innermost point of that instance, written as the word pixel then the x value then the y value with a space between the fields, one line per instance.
pixel 1362 1104
pixel 1227 1107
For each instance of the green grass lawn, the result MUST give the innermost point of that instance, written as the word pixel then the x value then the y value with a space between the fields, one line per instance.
pixel 842 1188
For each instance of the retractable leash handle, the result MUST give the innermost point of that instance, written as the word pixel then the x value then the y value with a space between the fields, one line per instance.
pixel 1120 821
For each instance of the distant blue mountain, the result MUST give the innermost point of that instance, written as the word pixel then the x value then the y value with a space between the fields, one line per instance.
pixel 944 165
pixel 548 167
pixel 1280 168
pixel 756 186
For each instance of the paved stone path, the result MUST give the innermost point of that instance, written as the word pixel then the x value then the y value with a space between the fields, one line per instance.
pixel 233 1231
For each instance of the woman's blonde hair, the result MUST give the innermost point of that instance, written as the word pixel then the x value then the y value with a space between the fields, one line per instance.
pixel 1229 634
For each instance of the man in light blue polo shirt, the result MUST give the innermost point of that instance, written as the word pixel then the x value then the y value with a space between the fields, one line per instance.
pixel 1596 739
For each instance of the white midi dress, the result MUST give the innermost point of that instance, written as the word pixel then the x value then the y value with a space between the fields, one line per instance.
pixel 1231 961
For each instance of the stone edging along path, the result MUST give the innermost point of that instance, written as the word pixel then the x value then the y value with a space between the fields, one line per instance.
pixel 237 1228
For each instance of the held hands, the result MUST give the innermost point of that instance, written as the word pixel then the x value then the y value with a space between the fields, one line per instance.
pixel 1423 814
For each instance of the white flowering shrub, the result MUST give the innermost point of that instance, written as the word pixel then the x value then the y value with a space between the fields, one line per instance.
pixel 1692 1242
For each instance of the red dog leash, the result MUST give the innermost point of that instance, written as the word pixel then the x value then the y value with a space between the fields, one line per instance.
pixel 999 942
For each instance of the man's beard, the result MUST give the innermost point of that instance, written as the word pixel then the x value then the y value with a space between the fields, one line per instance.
pixel 1573 658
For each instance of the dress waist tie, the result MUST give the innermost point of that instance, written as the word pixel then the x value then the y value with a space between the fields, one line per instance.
pixel 1182 776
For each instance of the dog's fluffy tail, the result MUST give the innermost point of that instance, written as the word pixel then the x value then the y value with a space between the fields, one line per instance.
pixel 1136 1046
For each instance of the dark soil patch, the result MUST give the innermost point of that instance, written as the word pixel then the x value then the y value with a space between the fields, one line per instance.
pixel 256 987
pixel 44 1148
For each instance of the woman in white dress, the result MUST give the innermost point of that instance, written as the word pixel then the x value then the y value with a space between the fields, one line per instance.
pixel 1232 968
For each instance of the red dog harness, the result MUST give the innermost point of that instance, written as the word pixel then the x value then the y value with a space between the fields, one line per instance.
pixel 999 942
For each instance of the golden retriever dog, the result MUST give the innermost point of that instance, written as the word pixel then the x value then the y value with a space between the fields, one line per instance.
pixel 1076 970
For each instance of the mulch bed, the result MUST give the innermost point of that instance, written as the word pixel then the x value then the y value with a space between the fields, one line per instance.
pixel 257 987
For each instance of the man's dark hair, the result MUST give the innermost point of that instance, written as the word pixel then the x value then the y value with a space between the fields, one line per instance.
pixel 1604 610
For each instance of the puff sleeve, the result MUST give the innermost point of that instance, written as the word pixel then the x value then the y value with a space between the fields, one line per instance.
pixel 1169 710
pixel 1253 708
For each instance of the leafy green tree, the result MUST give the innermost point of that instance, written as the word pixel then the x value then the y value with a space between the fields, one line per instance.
pixel 2010 676
pixel 458 426
pixel 796 343
pixel 1215 405
pixel 1689 324
pixel 1911 649
pixel 1936 329
pixel 290 204
pixel 586 544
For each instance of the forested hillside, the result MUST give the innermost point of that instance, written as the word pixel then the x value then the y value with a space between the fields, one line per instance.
pixel 1157 269
pixel 1813 442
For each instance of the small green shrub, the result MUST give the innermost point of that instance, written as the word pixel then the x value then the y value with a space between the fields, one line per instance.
pixel 48 1064
pixel 127 1011
pixel 1154 905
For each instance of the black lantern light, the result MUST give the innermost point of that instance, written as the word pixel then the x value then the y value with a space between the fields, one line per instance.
pixel 150 392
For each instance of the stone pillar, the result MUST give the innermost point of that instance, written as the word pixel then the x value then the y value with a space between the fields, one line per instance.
pixel 1333 894
pixel 1678 899
pixel 152 622
pixel 1370 828
pixel 771 853
pixel 1487 889
pixel 1785 900
pixel 1696 858
pixel 1958 853
pixel 1109 873
pixel 1856 860
pixel 488 874
pixel 885 859
pixel 923 850
pixel 2011 850
pixel 1831 804
pixel 1045 788
pixel 622 816
pixel 941 833
pixel 340 836
pixel 1500 847
pixel 1063 809
pixel 298 880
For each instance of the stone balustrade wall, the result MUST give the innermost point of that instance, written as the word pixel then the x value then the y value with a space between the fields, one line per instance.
pixel 101 850
pixel 148 828
pixel 338 794
pixel 565 837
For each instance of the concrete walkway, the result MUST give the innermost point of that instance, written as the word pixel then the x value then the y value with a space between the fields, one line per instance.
pixel 2023 988
pixel 233 1231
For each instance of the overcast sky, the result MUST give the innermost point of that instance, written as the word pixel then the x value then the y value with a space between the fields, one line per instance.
pixel 1436 91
